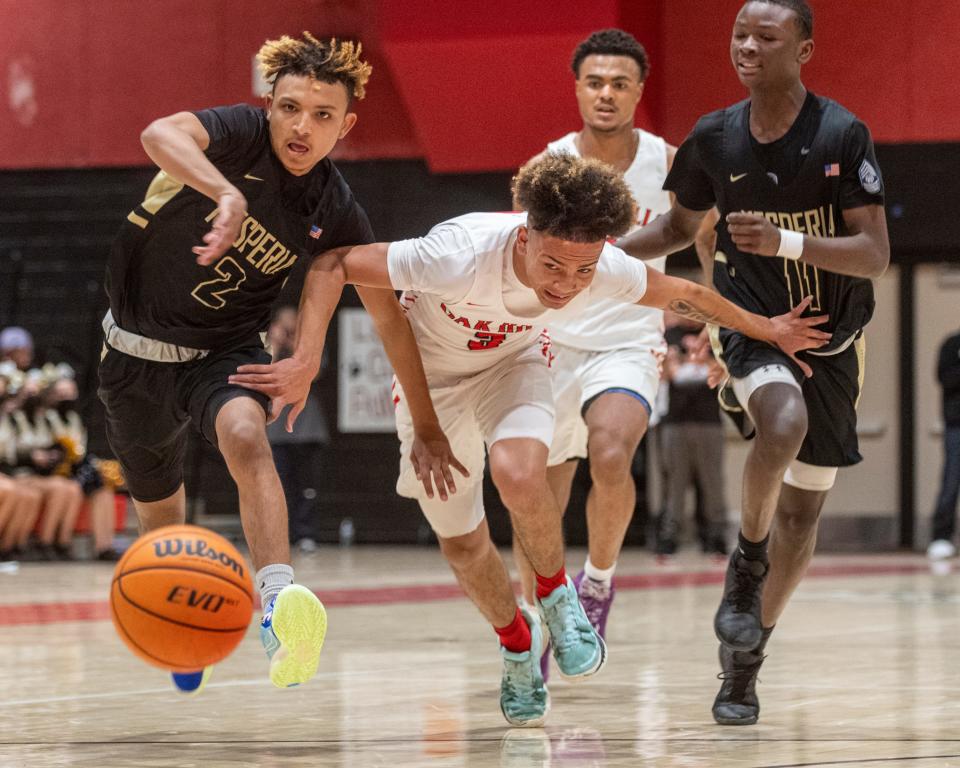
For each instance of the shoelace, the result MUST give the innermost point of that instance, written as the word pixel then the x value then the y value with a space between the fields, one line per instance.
pixel 520 677
pixel 746 587
pixel 566 621
pixel 740 677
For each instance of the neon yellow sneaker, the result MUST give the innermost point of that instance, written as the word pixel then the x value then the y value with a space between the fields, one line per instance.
pixel 292 630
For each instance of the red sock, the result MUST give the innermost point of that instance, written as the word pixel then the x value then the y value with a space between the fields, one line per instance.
pixel 546 584
pixel 515 637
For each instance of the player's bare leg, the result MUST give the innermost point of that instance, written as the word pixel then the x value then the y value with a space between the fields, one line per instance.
pixel 481 574
pixel 616 423
pixel 560 479
pixel 156 514
pixel 518 467
pixel 242 437
pixel 294 621
pixel 792 541
pixel 780 416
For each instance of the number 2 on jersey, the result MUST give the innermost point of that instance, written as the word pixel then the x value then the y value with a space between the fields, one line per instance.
pixel 210 292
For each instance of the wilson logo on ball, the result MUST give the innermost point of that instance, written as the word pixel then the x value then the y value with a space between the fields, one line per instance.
pixel 197 548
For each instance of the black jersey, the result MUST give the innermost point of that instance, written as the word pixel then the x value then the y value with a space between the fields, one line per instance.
pixel 155 285
pixel 802 182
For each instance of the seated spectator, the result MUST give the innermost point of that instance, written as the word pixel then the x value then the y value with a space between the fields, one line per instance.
pixel 19 510
pixel 16 345
pixel 19 504
pixel 93 475
pixel 37 456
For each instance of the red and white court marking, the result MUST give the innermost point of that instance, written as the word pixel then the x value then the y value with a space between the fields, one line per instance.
pixel 18 614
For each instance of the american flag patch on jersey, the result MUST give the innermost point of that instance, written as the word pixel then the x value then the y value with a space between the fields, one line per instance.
pixel 831 169
pixel 315 231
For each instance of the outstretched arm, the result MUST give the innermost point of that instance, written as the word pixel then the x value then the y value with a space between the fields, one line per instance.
pixel 177 144
pixel 288 381
pixel 790 332
pixel 670 232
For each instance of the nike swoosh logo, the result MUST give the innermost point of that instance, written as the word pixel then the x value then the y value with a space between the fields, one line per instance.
pixel 252 178
pixel 735 179
pixel 804 150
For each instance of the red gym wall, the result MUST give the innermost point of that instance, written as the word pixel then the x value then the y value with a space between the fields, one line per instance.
pixel 468 86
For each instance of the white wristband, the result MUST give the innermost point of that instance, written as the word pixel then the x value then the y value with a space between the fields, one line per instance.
pixel 791 244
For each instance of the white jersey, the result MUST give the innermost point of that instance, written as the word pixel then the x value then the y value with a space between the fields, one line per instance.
pixel 466 305
pixel 623 326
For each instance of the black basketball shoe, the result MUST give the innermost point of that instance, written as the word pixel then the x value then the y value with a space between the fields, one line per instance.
pixel 737 623
pixel 737 703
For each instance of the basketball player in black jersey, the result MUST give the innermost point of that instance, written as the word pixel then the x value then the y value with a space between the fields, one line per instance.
pixel 256 186
pixel 800 197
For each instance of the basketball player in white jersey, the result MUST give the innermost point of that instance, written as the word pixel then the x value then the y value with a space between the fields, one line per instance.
pixel 607 366
pixel 478 289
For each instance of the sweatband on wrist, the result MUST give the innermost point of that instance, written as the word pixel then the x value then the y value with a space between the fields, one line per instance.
pixel 791 244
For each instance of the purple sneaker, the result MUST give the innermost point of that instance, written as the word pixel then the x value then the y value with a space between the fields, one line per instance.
pixel 596 599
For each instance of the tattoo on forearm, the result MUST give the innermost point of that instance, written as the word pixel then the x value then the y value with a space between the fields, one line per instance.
pixel 685 309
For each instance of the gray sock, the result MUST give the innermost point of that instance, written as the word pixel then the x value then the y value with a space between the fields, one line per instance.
pixel 271 579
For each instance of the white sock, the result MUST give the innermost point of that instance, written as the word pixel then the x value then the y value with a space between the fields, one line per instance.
pixel 271 579
pixel 603 575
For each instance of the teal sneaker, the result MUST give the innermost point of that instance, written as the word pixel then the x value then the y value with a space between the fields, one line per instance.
pixel 191 683
pixel 577 648
pixel 524 699
pixel 292 630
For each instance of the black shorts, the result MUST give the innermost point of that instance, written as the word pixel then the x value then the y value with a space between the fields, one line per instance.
pixel 831 395
pixel 149 405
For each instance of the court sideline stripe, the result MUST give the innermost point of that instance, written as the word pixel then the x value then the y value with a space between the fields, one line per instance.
pixel 22 614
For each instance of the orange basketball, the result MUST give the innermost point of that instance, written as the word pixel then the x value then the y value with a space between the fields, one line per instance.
pixel 181 598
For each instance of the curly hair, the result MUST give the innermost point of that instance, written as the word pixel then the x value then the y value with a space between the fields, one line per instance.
pixel 335 62
pixel 581 200
pixel 612 42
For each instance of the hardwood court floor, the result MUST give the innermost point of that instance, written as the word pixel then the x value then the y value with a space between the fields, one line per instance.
pixel 864 670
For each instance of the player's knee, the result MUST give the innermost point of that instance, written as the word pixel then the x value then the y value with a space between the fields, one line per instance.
pixel 781 430
pixel 610 461
pixel 242 439
pixel 462 551
pixel 797 524
pixel 519 483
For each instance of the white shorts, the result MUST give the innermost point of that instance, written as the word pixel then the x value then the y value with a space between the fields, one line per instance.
pixel 807 477
pixel 513 399
pixel 580 375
